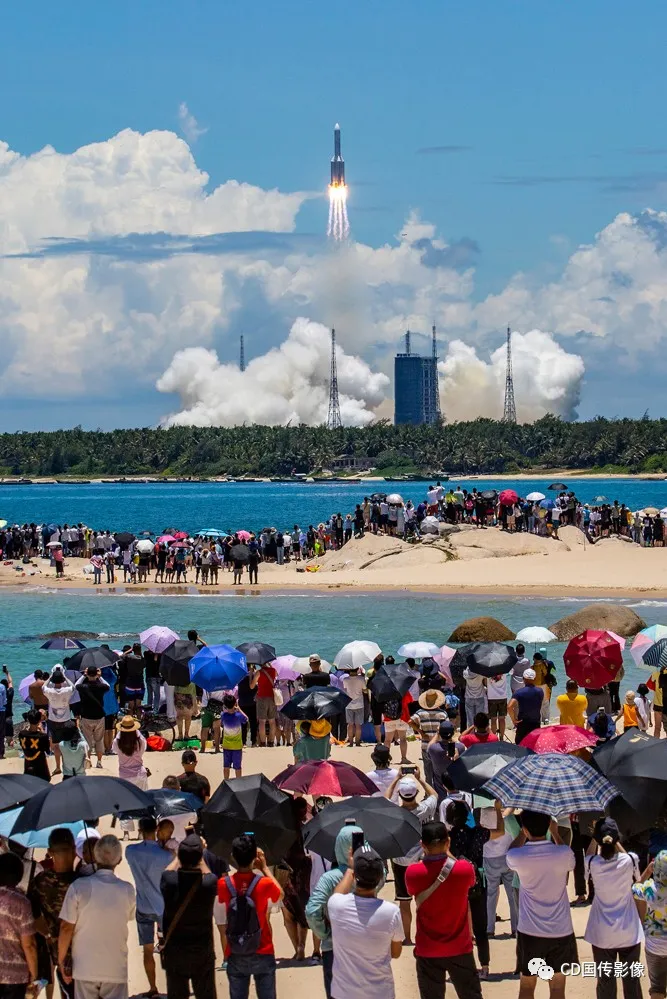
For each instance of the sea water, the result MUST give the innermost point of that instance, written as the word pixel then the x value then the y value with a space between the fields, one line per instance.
pixel 229 506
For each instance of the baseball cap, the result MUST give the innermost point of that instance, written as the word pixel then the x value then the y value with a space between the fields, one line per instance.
pixel 407 787
pixel 314 659
pixel 446 729
pixel 529 674
pixel 368 867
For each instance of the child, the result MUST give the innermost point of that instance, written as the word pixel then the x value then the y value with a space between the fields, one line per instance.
pixel 35 745
pixel 164 835
pixel 74 749
pixel 232 739
pixel 628 712
pixel 643 705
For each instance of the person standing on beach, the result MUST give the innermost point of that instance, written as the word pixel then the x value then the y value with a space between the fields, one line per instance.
pixel 92 691
pixel 572 705
pixel 34 745
pixel 147 862
pixel 522 663
pixel 58 690
pixel 233 721
pixel 263 679
pixel 526 706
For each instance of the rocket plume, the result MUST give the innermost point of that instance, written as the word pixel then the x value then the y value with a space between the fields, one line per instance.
pixel 338 227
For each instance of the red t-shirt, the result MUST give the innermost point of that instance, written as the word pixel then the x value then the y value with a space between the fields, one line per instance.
pixel 266 890
pixel 267 678
pixel 475 739
pixel 443 928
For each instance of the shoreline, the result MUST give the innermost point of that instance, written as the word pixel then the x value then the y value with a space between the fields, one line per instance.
pixel 539 476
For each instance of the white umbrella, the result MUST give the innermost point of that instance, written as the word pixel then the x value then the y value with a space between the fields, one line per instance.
pixel 430 525
pixel 535 497
pixel 145 546
pixel 663 513
pixel 418 650
pixel 394 499
pixel 356 654
pixel 54 544
pixel 302 665
pixel 536 636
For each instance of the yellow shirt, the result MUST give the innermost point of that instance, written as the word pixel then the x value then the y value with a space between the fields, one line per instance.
pixel 657 693
pixel 572 708
pixel 541 670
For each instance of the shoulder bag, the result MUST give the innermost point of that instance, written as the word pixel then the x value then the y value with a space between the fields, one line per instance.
pixel 445 871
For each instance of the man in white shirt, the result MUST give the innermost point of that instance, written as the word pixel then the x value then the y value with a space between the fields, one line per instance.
pixel 366 931
pixel 496 691
pixel 407 790
pixel 58 691
pixel 94 920
pixel 354 684
pixel 545 930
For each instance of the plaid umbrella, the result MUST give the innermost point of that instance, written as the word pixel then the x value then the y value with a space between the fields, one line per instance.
pixel 657 654
pixel 551 783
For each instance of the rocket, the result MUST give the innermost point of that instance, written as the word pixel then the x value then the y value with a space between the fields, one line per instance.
pixel 337 161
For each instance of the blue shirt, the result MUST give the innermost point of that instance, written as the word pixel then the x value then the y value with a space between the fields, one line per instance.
pixel 529 700
pixel 3 697
pixel 147 861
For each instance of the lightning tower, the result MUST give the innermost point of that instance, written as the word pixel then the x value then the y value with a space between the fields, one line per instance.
pixel 509 412
pixel 338 227
pixel 241 354
pixel 333 418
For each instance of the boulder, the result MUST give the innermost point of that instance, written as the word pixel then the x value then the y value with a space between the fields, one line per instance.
pixel 600 616
pixel 481 629
pixel 83 636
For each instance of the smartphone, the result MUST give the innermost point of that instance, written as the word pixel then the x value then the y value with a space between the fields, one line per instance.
pixel 408 769
pixel 451 749
pixel 357 841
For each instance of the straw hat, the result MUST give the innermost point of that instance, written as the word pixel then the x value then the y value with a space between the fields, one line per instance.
pixel 431 699
pixel 128 724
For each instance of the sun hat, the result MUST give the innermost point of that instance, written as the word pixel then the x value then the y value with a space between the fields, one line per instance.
pixel 431 699
pixel 128 724
pixel 407 788
pixel 529 674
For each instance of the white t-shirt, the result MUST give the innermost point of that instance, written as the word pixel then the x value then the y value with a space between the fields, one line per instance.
pixel 464 796
pixel 58 698
pixel 362 931
pixel 432 497
pixel 497 847
pixel 353 687
pixel 425 812
pixel 613 921
pixel 181 823
pixel 497 689
pixel 474 684
pixel 100 904
pixel 383 778
pixel 516 676
pixel 544 908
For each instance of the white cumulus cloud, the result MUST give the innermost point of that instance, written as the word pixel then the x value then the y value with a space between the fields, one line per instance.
pixel 190 127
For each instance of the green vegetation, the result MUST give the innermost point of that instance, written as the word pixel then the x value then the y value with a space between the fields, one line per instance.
pixel 460 448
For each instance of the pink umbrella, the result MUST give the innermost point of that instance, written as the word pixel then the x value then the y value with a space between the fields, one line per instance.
pixel 443 659
pixel 639 647
pixel 158 638
pixel 617 638
pixel 559 739
pixel 180 544
pixel 243 535
pixel 508 497
pixel 165 539
pixel 283 667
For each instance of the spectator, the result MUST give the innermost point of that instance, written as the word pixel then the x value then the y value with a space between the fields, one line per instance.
pixel 74 751
pixel 354 685
pixel 426 723
pixel 525 707
pixel 252 881
pixel 443 943
pixel 442 751
pixel 101 903
pixel 496 689
pixel 47 894
pixel 545 922
pixel 476 699
pixel 92 690
pixel 310 746
pixel 651 900
pixel 263 680
pixel 147 861
pixel 34 745
pixel 366 931
pixel 467 840
pixel 190 780
pixel 18 954
pixel 497 872
pixel 383 775
pixel 317 676
pixel 233 720
pixel 58 691
pixel 572 705
pixel 189 891
pixel 478 733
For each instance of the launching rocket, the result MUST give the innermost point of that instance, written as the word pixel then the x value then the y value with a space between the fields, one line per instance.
pixel 337 161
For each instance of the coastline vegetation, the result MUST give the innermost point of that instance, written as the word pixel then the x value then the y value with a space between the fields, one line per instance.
pixel 479 446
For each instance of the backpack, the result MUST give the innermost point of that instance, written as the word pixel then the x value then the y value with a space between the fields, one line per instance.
pixel 243 929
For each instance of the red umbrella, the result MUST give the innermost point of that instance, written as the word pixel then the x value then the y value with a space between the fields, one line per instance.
pixel 559 739
pixel 593 658
pixel 179 535
pixel 333 777
pixel 508 497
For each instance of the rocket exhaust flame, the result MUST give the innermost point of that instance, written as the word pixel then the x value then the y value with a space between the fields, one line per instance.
pixel 338 227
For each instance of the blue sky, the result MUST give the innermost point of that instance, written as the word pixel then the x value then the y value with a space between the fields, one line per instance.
pixel 525 127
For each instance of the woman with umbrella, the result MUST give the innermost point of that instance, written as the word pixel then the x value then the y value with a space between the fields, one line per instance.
pixel 130 746
pixel 297 886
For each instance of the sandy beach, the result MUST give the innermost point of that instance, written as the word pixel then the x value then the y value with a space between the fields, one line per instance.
pixel 468 561
pixel 304 981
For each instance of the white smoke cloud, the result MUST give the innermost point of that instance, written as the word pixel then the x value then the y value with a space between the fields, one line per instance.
pixel 289 384
pixel 547 379
pixel 190 127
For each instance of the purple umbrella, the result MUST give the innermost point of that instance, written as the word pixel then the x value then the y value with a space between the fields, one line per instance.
pixel 283 668
pixel 157 638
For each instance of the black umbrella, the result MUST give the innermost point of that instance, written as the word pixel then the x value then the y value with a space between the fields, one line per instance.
pixel 490 658
pixel 316 703
pixel 458 663
pixel 79 799
pixel 257 653
pixel 391 681
pixel 250 804
pixel 174 662
pixel 482 762
pixel 656 654
pixel 378 497
pixel 489 494
pixel 124 539
pixel 15 789
pixel 62 643
pixel 391 830
pixel 97 657
pixel 558 487
pixel 635 763
pixel 167 801
pixel 240 553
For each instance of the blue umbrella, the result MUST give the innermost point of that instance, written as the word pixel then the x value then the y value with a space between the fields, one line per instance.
pixel 547 504
pixel 63 643
pixel 656 655
pixel 35 838
pixel 211 532
pixel 218 667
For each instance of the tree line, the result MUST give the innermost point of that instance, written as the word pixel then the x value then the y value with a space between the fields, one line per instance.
pixel 471 447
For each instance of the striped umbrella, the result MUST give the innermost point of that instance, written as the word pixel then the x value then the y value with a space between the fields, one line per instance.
pixel 656 656
pixel 552 783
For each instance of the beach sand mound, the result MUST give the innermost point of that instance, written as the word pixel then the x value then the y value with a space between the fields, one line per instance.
pixel 481 629
pixel 600 616
pixel 501 544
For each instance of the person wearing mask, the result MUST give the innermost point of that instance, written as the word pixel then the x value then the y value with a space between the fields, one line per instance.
pixel 572 705
pixel 383 775
pixel 189 892
pixel 614 928
pixel 253 880
pixel 99 903
pixel 47 894
pixel 440 883
pixel 58 691
pixel 467 839
pixel 92 690
pixel 545 922
pixel 650 896
pixel 147 861
pixel 497 873
pixel 316 909
pixel 526 706
pixel 407 789
pixel 18 954
pixel 366 931
pixel 479 732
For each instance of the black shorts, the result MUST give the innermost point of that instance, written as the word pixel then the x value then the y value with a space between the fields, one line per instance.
pixel 498 708
pixel 110 722
pixel 401 893
pixel 556 951
pixel 376 712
